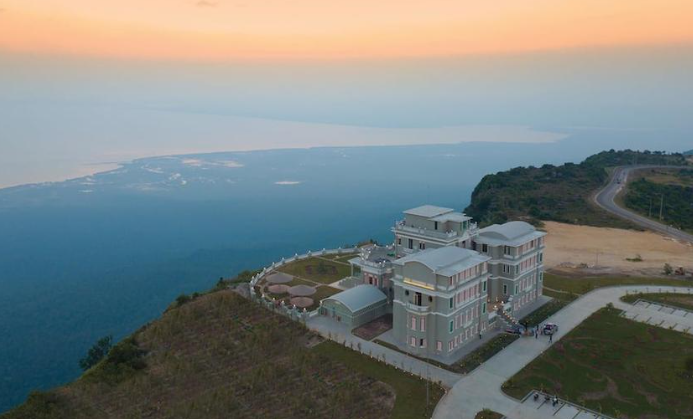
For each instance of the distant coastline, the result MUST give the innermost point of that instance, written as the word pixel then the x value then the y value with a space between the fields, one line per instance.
pixel 263 135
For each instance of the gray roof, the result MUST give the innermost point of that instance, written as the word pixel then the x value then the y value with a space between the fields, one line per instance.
pixel 428 211
pixel 447 261
pixel 359 297
pixel 452 216
pixel 511 233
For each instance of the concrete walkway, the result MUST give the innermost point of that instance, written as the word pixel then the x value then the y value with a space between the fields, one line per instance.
pixel 482 388
pixel 338 332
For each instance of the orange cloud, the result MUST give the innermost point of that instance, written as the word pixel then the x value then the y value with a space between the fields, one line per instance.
pixel 318 29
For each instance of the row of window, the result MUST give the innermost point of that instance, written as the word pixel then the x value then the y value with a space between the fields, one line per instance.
pixel 421 321
pixel 410 243
pixel 465 295
pixel 461 319
pixel 527 298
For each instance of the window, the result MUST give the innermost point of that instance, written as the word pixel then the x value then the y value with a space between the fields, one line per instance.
pixel 430 298
pixel 506 250
pixel 417 298
pixel 541 276
pixel 541 257
pixel 422 245
pixel 412 341
pixel 506 269
pixel 484 285
pixel 473 245
pixel 517 289
pixel 435 225
pixel 413 323
pixel 411 243
pixel 439 346
pixel 483 308
pixel 422 343
pixel 484 248
pixel 406 292
pixel 452 302
pixel 422 324
pixel 450 343
pixel 451 326
pixel 399 241
pixel 505 289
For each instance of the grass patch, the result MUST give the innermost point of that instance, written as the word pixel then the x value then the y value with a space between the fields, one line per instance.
pixel 482 354
pixel 219 356
pixel 317 269
pixel 411 390
pixel 544 312
pixel 472 360
pixel 616 366
pixel 684 301
pixel 488 414
pixel 582 285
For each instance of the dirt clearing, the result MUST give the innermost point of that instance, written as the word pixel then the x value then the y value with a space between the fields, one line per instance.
pixel 570 246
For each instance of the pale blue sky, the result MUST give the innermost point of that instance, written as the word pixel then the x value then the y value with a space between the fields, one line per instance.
pixel 60 113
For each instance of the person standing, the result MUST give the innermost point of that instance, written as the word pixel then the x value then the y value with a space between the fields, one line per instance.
pixel 551 338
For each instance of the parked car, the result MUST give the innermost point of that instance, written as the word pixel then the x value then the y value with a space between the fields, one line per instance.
pixel 549 329
pixel 515 329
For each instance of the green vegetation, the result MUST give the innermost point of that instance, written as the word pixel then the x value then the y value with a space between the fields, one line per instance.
pixel 473 359
pixel 96 353
pixel 672 195
pixel 556 193
pixel 684 301
pixel 539 315
pixel 318 269
pixel 488 414
pixel 220 355
pixel 616 366
pixel 584 284
pixel 483 353
pixel 410 390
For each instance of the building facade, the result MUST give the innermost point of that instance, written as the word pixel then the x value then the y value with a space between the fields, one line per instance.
pixel 444 278
pixel 431 227
pixel 516 250
pixel 440 299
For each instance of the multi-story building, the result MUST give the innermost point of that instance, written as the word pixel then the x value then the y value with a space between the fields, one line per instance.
pixel 445 279
pixel 430 227
pixel 517 262
pixel 440 299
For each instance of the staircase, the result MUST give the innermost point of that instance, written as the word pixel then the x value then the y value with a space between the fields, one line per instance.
pixel 506 317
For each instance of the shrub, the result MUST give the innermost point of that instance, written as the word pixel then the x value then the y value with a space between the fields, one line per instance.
pixel 668 270
pixel 182 299
pixel 96 353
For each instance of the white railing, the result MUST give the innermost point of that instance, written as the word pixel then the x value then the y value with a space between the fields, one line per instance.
pixel 284 261
pixel 420 309
pixel 400 226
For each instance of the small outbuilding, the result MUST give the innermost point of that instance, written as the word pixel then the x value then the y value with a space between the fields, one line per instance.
pixel 355 306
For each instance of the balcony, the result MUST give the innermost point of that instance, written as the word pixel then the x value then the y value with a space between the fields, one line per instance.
pixel 400 226
pixel 418 309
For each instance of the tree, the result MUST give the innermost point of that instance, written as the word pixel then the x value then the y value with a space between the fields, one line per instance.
pixel 668 270
pixel 96 353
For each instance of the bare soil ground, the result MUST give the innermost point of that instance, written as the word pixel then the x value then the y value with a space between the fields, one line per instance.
pixel 571 248
pixel 374 328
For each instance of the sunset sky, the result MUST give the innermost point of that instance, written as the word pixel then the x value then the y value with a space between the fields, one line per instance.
pixel 319 29
pixel 92 81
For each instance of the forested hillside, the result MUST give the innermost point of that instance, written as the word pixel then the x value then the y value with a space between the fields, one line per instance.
pixel 556 193
pixel 664 196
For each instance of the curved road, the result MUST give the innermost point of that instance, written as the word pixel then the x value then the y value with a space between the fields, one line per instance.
pixel 605 199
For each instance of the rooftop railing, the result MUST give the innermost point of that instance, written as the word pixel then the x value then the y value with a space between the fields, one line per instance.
pixel 401 226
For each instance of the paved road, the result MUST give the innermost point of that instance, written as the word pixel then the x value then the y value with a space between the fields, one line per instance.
pixel 482 388
pixel 605 199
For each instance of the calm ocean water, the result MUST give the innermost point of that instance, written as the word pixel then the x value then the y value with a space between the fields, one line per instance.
pixel 107 253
